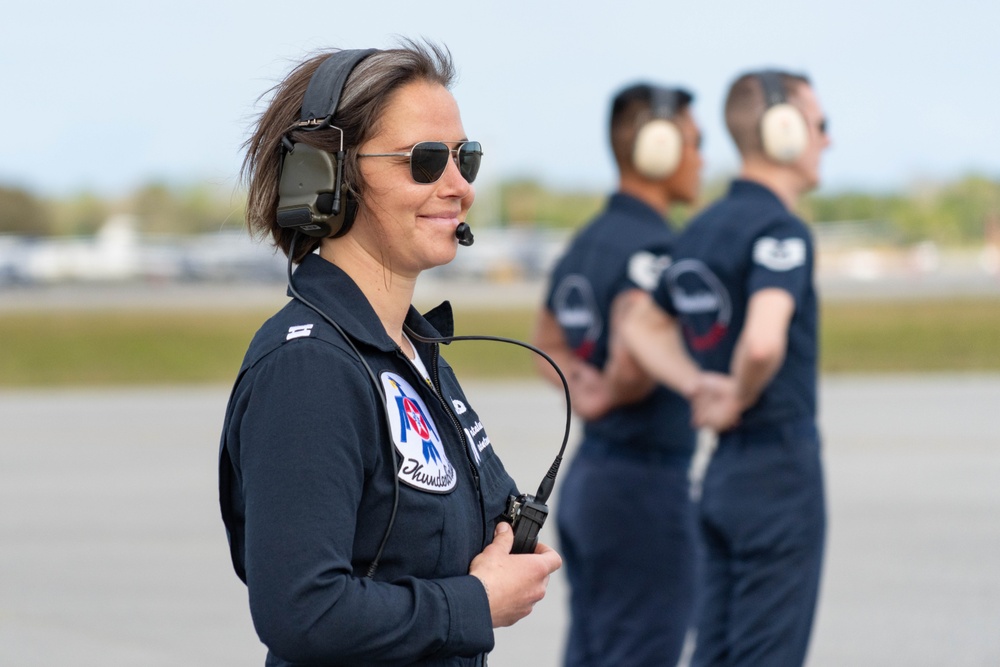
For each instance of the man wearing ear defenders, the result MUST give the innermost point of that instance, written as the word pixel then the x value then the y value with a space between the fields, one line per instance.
pixel 741 288
pixel 625 518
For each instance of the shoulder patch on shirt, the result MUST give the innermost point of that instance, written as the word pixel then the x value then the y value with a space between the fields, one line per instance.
pixel 575 309
pixel 703 302
pixel 425 464
pixel 645 268
pixel 779 255
pixel 299 331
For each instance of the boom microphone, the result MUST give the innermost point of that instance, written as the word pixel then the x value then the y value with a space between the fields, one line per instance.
pixel 464 234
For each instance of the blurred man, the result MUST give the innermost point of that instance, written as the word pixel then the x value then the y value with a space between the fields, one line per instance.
pixel 741 287
pixel 625 518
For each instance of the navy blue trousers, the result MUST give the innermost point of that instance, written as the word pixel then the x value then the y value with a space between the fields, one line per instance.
pixel 628 539
pixel 763 524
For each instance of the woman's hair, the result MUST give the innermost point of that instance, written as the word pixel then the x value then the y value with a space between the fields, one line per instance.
pixel 362 104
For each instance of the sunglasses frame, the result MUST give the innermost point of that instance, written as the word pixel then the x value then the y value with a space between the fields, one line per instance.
pixel 453 154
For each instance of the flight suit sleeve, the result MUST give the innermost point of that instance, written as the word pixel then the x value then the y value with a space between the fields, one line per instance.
pixel 781 257
pixel 309 430
pixel 661 295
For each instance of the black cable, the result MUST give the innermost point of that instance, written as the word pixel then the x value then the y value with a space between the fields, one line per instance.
pixel 548 482
pixel 378 387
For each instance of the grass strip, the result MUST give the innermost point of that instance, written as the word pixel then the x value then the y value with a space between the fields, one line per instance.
pixel 132 347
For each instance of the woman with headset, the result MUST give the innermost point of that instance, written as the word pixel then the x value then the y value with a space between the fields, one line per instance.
pixel 361 495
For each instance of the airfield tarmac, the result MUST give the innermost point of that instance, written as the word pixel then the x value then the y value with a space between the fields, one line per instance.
pixel 112 552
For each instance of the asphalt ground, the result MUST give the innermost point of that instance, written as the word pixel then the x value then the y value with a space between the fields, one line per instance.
pixel 112 552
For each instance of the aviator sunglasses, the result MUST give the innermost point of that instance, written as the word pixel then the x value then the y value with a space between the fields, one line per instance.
pixel 429 159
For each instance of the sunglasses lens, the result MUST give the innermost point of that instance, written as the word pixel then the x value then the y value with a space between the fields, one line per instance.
pixel 428 160
pixel 470 155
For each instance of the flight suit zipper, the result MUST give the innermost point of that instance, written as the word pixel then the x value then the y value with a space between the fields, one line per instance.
pixel 436 385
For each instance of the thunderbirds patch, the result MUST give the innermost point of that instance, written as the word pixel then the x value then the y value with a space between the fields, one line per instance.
pixel 425 464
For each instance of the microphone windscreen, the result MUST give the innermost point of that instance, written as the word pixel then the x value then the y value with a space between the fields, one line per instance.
pixel 464 234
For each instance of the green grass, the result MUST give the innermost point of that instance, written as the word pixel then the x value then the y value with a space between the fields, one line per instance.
pixel 911 336
pixel 122 347
pixel 86 348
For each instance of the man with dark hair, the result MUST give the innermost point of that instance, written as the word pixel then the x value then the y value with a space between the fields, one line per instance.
pixel 625 518
pixel 741 287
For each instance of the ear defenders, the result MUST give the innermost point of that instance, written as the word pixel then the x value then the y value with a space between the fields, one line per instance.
pixel 658 145
pixel 312 195
pixel 784 132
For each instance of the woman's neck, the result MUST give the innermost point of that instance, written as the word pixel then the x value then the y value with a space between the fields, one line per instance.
pixel 389 294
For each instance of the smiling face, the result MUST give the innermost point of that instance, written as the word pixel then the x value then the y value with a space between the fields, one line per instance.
pixel 410 226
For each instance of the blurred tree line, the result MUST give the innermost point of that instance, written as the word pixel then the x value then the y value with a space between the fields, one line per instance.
pixel 954 212
pixel 157 207
pixel 950 213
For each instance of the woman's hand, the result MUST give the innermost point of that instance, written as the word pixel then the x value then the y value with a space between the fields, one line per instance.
pixel 513 582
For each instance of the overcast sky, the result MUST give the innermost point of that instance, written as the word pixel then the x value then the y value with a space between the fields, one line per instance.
pixel 105 96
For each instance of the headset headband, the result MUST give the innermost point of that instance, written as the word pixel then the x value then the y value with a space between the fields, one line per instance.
pixel 326 84
pixel 663 101
pixel 774 88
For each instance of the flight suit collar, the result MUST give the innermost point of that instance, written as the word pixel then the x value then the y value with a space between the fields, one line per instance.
pixel 742 187
pixel 328 287
pixel 634 208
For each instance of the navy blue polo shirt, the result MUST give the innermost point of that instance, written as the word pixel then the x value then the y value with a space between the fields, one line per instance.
pixel 746 242
pixel 625 247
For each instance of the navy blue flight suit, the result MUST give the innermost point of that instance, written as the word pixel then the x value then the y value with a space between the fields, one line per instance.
pixel 306 489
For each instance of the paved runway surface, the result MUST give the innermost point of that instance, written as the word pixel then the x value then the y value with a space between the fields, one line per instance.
pixel 112 552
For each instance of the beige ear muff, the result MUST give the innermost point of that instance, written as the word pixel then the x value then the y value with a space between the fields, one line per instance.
pixel 658 148
pixel 784 133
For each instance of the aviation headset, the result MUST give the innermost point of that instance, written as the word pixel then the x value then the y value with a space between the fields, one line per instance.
pixel 312 195
pixel 784 132
pixel 658 145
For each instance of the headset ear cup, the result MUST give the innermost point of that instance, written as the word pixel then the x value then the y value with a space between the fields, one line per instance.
pixel 306 191
pixel 783 133
pixel 658 148
pixel 348 212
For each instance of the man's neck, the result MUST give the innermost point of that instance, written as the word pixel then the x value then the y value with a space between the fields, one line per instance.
pixel 776 178
pixel 650 192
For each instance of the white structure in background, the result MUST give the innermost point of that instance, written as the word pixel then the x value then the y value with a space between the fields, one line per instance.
pixel 989 259
pixel 855 252
pixel 519 252
pixel 112 254
pixel 118 252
